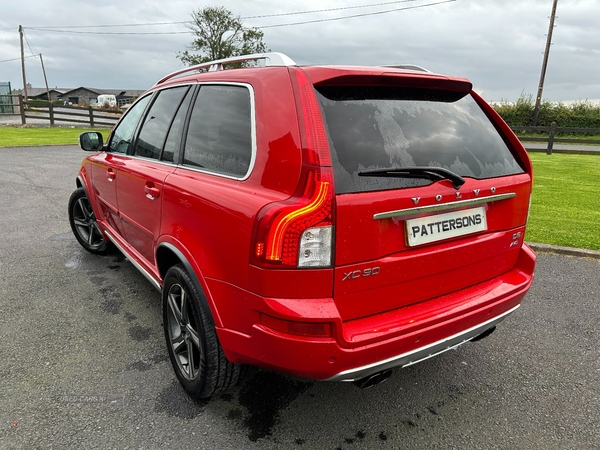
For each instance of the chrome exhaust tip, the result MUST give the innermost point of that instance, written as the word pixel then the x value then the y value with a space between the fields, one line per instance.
pixel 374 379
pixel 485 334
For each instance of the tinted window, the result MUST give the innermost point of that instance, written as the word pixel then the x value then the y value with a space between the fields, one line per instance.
pixel 158 121
pixel 170 152
pixel 219 135
pixel 122 135
pixel 375 128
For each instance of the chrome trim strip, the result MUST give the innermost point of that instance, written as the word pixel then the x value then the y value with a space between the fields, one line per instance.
pixel 143 271
pixel 420 354
pixel 404 213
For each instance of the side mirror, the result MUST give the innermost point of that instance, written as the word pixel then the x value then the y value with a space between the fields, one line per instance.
pixel 91 141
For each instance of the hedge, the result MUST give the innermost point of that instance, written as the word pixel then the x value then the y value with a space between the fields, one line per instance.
pixel 583 114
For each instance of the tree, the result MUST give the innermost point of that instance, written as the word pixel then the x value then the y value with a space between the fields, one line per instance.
pixel 220 34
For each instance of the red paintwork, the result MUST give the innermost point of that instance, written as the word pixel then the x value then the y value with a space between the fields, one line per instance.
pixel 419 296
pixel 375 338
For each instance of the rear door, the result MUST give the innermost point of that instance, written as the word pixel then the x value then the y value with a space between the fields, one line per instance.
pixel 407 236
pixel 140 191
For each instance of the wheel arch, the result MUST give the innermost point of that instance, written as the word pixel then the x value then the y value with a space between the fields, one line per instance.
pixel 82 181
pixel 81 184
pixel 168 255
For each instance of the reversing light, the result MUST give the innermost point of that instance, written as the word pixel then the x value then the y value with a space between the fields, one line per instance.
pixel 315 247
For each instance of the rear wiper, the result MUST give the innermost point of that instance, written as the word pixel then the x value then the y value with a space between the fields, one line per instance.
pixel 431 173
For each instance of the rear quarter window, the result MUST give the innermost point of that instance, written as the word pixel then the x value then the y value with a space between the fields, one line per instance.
pixel 384 127
pixel 219 138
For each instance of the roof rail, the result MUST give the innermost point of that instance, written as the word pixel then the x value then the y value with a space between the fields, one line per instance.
pixel 271 59
pixel 408 67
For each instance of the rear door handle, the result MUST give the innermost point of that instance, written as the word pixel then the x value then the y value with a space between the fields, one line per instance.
pixel 151 191
pixel 111 174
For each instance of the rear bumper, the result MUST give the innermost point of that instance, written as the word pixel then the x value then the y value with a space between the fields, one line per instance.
pixel 394 339
pixel 422 353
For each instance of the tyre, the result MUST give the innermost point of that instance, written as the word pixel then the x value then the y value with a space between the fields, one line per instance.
pixel 192 342
pixel 84 225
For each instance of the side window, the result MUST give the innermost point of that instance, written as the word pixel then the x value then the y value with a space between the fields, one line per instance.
pixel 123 134
pixel 219 136
pixel 170 152
pixel 158 121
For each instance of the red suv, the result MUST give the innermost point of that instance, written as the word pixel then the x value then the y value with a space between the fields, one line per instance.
pixel 332 222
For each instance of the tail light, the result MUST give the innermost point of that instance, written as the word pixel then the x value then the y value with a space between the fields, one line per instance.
pixel 298 232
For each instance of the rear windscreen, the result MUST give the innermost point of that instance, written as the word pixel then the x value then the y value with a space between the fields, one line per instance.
pixel 384 127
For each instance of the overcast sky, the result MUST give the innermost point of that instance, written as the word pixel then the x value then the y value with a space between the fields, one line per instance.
pixel 497 44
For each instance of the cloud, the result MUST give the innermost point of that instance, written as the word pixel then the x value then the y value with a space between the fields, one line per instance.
pixel 497 44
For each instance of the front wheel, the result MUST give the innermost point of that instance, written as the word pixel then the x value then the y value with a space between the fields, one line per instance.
pixel 192 342
pixel 84 225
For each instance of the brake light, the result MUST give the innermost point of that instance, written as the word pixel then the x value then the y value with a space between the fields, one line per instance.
pixel 282 225
pixel 315 149
pixel 294 221
pixel 298 232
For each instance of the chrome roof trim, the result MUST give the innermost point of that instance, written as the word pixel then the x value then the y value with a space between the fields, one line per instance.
pixel 271 59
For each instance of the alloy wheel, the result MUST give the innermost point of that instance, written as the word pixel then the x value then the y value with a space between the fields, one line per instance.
pixel 184 336
pixel 86 225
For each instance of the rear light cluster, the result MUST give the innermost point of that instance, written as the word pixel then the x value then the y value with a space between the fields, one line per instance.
pixel 298 232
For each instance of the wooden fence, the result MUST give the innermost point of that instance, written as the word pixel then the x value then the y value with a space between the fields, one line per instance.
pixel 95 117
pixel 11 104
pixel 551 138
pixel 87 116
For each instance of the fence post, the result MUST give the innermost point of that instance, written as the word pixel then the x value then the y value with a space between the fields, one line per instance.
pixel 51 111
pixel 91 111
pixel 551 138
pixel 22 109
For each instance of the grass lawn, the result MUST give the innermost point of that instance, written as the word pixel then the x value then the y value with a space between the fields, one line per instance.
pixel 29 137
pixel 565 209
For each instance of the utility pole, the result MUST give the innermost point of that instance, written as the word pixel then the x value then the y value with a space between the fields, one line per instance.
pixel 23 64
pixel 45 79
pixel 538 99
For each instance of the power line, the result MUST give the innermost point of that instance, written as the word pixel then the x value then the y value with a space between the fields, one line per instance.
pixel 356 15
pixel 109 32
pixel 29 45
pixel 15 59
pixel 61 29
pixel 243 18
pixel 327 10
pixel 112 25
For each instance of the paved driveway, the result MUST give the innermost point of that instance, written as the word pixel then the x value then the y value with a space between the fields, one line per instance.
pixel 83 363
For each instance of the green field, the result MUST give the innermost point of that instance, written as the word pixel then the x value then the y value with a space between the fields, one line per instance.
pixel 565 208
pixel 29 137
